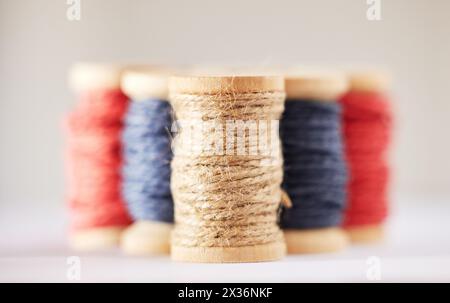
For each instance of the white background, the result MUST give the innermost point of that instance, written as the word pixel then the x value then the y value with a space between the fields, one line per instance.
pixel 38 44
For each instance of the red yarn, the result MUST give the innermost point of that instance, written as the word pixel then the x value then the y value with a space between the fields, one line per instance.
pixel 94 160
pixel 367 131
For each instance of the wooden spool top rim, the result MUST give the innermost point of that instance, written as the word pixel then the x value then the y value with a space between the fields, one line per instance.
pixel 84 76
pixel 315 84
pixel 225 84
pixel 145 82
pixel 372 80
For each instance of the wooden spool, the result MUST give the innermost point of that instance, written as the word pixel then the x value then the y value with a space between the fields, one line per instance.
pixel 85 77
pixel 146 237
pixel 215 85
pixel 369 80
pixel 323 86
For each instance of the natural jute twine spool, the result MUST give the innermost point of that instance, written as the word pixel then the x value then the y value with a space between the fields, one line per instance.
pixel 226 200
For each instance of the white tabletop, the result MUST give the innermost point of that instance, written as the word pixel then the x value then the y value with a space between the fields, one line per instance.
pixel 417 248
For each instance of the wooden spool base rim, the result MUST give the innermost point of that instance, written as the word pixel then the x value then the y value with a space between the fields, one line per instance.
pixel 366 233
pixel 147 238
pixel 254 253
pixel 321 240
pixel 98 238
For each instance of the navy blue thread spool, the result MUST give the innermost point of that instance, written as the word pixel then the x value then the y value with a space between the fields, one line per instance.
pixel 314 167
pixel 146 167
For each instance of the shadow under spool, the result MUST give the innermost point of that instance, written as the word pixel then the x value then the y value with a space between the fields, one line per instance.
pixel 149 201
pixel 312 236
pixel 213 206
pixel 376 82
pixel 98 81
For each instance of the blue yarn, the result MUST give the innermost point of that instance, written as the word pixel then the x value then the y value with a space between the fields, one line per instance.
pixel 315 174
pixel 147 156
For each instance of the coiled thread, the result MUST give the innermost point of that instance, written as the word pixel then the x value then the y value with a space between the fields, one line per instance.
pixel 367 128
pixel 94 160
pixel 225 200
pixel 314 168
pixel 147 153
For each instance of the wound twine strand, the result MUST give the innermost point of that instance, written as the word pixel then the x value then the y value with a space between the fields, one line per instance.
pixel 225 200
pixel 147 154
pixel 367 129
pixel 314 168
pixel 94 160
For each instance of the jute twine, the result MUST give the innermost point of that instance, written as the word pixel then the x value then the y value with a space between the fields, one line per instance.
pixel 226 199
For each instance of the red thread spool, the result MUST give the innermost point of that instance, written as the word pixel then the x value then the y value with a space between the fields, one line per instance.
pixel 93 152
pixel 367 132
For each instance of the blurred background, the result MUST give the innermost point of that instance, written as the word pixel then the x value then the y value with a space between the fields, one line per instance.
pixel 38 44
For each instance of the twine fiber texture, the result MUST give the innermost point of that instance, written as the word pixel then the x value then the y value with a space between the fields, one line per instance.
pixel 315 172
pixel 94 160
pixel 367 121
pixel 229 199
pixel 147 156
